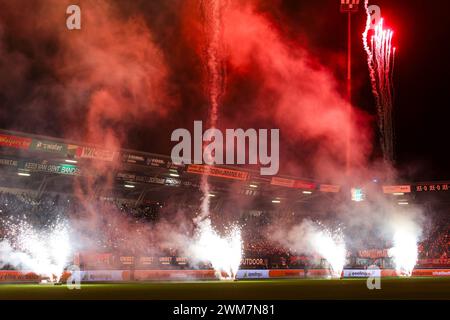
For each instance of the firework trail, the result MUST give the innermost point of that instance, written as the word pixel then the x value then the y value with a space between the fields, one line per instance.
pixel 212 15
pixel 380 59
pixel 224 253
pixel 212 21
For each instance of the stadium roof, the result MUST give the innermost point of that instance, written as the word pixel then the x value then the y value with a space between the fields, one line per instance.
pixel 48 164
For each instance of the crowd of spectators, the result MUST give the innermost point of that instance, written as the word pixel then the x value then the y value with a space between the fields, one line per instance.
pixel 122 225
pixel 436 244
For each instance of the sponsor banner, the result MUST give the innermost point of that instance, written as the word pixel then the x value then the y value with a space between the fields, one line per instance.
pixel 125 176
pixel 260 262
pixel 434 262
pixel 304 185
pixel 94 153
pixel 102 275
pixel 18 276
pixel 437 273
pixel 161 163
pixel 286 273
pixel 143 160
pixel 252 274
pixel 143 275
pixel 172 182
pixel 432 187
pixel 164 261
pixel 14 141
pixel 218 172
pixel 291 183
pixel 133 158
pixel 374 253
pixel 66 169
pixel 396 189
pixel 329 188
pixel 126 261
pixel 146 261
pixel 288 183
pixel 49 146
pixel 96 260
pixel 299 273
pixel 362 273
pixel 9 162
pixel 181 261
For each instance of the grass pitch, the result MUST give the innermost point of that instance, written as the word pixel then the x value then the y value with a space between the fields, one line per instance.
pixel 308 289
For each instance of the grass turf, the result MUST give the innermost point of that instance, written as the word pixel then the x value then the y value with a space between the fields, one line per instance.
pixel 413 288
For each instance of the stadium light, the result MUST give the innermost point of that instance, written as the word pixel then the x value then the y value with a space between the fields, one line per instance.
pixel 71 161
pixel 351 6
pixel 23 174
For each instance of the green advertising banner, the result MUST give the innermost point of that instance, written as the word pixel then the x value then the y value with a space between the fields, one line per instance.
pixel 67 169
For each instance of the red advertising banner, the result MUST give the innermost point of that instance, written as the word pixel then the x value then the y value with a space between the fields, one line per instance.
pixel 330 188
pixel 18 276
pixel 218 172
pixel 436 262
pixel 374 253
pixel 291 183
pixel 95 153
pixel 14 142
pixel 282 182
pixel 396 189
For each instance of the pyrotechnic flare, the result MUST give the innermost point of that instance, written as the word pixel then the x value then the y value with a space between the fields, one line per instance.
pixel 224 253
pixel 404 252
pixel 406 234
pixel 330 245
pixel 380 59
pixel 45 252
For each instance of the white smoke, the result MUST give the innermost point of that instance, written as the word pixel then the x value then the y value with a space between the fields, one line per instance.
pixel 315 239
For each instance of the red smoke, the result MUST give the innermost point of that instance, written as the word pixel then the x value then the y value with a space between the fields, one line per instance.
pixel 288 90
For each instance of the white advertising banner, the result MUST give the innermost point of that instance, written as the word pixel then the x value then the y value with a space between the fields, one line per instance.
pixel 362 273
pixel 252 274
pixel 101 275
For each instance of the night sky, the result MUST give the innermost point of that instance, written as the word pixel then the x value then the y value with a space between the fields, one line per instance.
pixel 28 55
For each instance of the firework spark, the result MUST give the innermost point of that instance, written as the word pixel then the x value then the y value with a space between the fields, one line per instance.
pixel 380 60
pixel 45 252
pixel 224 253
pixel 406 233
pixel 404 252
pixel 330 245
